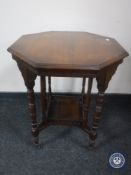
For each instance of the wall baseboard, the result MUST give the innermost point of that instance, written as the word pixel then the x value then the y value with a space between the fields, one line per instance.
pixel 24 94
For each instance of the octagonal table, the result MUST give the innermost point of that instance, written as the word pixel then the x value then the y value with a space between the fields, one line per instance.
pixel 66 54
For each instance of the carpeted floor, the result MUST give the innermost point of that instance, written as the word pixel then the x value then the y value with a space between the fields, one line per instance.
pixel 65 150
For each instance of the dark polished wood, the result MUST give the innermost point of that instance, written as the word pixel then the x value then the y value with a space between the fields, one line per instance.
pixel 43 97
pixel 67 54
pixel 87 100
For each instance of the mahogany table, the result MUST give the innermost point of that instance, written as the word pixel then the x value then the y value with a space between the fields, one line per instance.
pixel 66 54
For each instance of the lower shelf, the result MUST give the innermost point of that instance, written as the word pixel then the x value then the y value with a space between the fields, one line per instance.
pixel 64 110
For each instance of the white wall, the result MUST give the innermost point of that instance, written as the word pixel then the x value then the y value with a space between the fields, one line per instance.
pixel 18 17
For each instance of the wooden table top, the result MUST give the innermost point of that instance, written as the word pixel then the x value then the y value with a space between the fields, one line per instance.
pixel 68 50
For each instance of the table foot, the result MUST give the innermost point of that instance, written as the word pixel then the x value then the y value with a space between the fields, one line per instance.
pixel 35 136
pixel 92 138
pixel 35 140
pixel 91 144
pixel 36 143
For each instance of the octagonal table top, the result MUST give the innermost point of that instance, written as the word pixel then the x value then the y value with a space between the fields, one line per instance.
pixel 73 50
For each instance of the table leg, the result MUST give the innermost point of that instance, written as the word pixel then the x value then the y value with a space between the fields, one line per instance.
pixel 49 86
pixel 83 123
pixel 32 110
pixel 102 78
pixel 43 99
pixel 96 119
pixel 49 91
pixel 86 103
pixel 29 79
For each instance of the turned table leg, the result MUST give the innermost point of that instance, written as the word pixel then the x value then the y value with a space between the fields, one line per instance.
pixel 86 99
pixel 49 92
pixel 43 99
pixel 32 110
pixel 49 86
pixel 102 78
pixel 96 119
pixel 29 79
pixel 83 122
